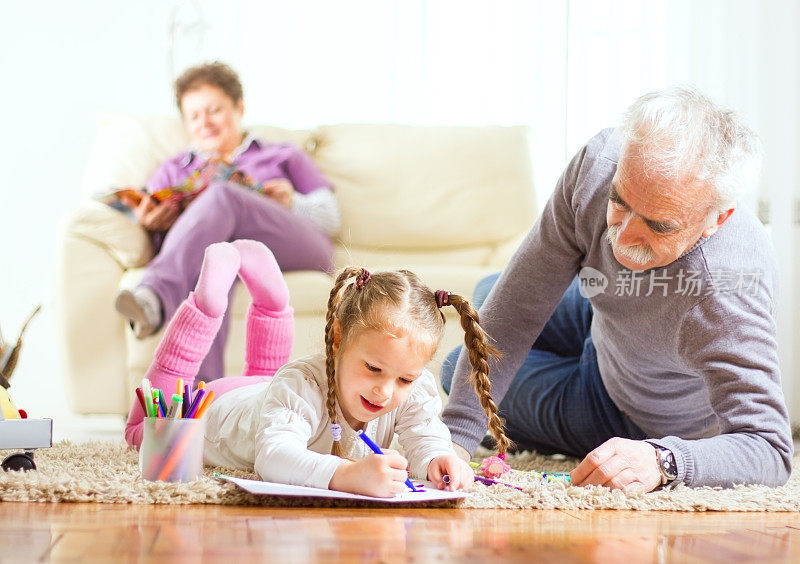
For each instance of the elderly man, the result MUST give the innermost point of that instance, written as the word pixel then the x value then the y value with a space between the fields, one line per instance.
pixel 657 364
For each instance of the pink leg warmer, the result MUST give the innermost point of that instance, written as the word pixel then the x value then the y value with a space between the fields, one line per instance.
pixel 269 342
pixel 270 319
pixel 269 339
pixel 184 346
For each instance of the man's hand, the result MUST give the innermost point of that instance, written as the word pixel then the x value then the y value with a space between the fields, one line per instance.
pixel 378 475
pixel 620 464
pixel 280 190
pixel 459 473
pixel 151 215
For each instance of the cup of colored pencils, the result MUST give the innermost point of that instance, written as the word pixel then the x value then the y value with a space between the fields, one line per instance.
pixel 173 434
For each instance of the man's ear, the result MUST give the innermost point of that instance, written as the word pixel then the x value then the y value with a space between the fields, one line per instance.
pixel 722 217
pixel 337 336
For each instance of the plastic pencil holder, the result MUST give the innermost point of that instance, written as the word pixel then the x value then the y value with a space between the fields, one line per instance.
pixel 172 449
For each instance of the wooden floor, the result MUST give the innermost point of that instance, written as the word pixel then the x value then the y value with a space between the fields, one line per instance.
pixel 33 532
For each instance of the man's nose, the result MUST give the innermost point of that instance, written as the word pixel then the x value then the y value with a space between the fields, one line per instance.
pixel 630 230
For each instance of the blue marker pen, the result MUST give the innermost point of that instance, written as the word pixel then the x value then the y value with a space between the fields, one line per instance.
pixel 377 450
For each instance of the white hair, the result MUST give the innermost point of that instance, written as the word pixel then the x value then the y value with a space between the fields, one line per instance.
pixel 681 134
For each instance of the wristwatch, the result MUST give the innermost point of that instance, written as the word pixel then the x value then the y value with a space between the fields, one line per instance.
pixel 666 464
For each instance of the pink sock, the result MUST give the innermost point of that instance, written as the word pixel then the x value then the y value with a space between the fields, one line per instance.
pixel 261 274
pixel 220 266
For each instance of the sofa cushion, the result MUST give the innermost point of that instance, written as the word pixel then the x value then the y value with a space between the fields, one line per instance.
pixel 428 188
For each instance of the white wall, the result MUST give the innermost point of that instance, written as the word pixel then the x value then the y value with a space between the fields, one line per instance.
pixel 565 67
pixel 60 63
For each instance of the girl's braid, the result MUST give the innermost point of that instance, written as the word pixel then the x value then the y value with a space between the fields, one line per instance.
pixel 330 365
pixel 480 351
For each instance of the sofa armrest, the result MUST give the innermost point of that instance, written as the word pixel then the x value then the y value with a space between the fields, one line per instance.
pixel 97 245
pixel 124 240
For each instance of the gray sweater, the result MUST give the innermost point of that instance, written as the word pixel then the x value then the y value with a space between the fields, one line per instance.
pixel 687 351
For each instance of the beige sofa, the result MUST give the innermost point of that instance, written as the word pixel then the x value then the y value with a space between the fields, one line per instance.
pixel 450 203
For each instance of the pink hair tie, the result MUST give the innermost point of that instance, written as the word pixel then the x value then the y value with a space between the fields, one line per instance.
pixel 494 466
pixel 362 278
pixel 442 298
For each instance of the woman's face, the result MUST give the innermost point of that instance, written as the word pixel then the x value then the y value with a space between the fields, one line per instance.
pixel 212 119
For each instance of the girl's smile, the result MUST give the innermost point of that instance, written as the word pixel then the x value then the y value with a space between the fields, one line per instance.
pixel 370 406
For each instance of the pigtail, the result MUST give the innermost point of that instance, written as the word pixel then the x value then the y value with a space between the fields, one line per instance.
pixel 480 352
pixel 330 364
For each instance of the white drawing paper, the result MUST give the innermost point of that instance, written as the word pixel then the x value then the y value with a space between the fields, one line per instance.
pixel 259 487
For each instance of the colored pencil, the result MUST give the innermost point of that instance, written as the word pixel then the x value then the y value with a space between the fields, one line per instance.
pixel 187 400
pixel 202 409
pixel 490 482
pixel 377 450
pixel 198 399
pixel 140 396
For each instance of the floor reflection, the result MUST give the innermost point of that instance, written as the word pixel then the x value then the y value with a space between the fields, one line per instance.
pixel 229 534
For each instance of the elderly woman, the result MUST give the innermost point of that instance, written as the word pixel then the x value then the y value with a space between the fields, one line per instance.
pixel 275 195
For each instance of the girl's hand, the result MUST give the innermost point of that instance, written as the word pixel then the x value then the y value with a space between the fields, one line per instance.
pixel 378 475
pixel 459 472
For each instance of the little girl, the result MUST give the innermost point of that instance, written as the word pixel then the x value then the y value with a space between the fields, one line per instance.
pixel 300 425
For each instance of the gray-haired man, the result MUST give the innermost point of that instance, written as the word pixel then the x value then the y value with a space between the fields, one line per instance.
pixel 658 363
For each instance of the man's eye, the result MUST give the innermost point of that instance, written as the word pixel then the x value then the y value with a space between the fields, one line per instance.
pixel 661 228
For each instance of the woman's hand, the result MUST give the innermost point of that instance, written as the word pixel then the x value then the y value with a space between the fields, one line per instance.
pixel 378 475
pixel 280 190
pixel 459 473
pixel 152 215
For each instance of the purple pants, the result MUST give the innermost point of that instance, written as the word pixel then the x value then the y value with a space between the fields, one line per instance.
pixel 225 212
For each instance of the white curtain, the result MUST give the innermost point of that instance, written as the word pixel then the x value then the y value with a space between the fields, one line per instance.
pixel 742 53
pixel 779 126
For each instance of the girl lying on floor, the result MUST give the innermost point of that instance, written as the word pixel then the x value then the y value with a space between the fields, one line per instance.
pixel 298 423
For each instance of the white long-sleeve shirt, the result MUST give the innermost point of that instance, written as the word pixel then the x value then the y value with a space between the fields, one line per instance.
pixel 282 428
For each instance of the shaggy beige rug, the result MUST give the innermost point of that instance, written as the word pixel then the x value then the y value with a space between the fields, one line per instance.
pixel 105 472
